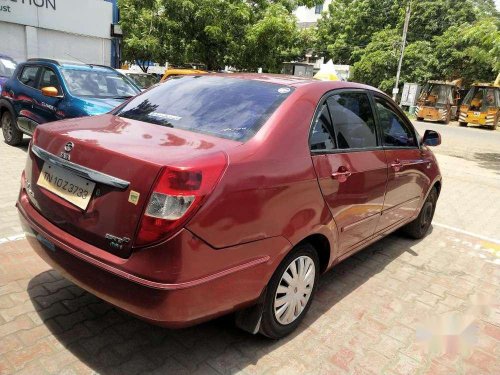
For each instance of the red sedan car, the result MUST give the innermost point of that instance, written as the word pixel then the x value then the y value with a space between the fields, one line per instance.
pixel 212 194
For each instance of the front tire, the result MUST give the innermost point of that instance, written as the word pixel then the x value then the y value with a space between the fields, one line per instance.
pixel 290 292
pixel 419 227
pixel 11 134
pixel 462 123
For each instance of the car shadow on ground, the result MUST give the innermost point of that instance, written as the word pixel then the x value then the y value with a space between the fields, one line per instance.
pixel 488 160
pixel 110 341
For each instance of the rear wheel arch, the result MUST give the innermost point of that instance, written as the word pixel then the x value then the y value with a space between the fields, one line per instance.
pixel 322 246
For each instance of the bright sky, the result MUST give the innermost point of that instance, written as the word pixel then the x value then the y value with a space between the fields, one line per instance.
pixel 497 2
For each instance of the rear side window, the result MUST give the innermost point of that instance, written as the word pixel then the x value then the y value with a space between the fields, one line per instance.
pixel 395 131
pixel 353 120
pixel 28 75
pixel 229 108
pixel 321 136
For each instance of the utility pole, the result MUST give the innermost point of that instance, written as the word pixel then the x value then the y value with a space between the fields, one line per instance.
pixel 395 90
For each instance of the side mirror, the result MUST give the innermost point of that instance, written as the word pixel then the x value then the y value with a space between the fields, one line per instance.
pixel 50 91
pixel 431 138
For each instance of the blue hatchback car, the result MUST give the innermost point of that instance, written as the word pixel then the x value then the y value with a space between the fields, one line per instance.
pixel 43 90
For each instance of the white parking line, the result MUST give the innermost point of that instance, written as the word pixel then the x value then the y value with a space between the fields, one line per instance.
pixel 15 237
pixel 458 230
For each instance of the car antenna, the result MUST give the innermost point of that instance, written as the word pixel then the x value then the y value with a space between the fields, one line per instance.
pixel 79 60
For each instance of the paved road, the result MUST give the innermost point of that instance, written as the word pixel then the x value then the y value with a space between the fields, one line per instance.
pixel 397 307
pixel 471 143
pixel 470 163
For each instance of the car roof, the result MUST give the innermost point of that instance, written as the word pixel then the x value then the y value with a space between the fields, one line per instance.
pixel 65 63
pixel 295 81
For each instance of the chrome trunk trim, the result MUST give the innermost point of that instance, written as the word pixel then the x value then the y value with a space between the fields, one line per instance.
pixel 89 174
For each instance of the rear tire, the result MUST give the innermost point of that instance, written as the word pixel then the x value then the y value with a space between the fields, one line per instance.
pixel 461 123
pixel 297 280
pixel 420 119
pixel 11 134
pixel 419 227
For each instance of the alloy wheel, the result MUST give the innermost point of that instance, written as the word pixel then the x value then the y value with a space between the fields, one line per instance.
pixel 7 127
pixel 294 290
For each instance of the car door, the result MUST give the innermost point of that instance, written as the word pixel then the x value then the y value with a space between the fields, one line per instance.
pixel 406 164
pixel 350 164
pixel 45 107
pixel 24 97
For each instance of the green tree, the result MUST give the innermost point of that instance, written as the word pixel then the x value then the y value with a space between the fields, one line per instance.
pixel 244 33
pixel 348 26
pixel 144 32
pixel 471 52
pixel 271 40
pixel 377 65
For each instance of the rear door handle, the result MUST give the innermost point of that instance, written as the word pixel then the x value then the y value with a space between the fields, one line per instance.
pixel 396 165
pixel 342 174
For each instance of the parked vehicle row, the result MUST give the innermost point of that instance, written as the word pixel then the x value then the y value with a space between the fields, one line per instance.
pixel 211 194
pixel 440 101
pixel 44 90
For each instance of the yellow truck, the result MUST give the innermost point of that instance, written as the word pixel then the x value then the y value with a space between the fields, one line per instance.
pixel 481 105
pixel 182 70
pixel 438 101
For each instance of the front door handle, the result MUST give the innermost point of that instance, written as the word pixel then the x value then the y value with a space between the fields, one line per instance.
pixel 396 165
pixel 341 175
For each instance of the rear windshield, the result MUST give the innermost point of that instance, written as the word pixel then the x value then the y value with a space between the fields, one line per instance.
pixel 229 108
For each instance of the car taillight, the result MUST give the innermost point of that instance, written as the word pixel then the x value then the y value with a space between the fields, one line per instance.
pixel 177 194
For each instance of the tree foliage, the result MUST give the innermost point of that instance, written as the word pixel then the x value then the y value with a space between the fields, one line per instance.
pixel 246 34
pixel 447 39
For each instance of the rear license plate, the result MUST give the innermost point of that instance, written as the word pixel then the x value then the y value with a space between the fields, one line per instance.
pixel 67 185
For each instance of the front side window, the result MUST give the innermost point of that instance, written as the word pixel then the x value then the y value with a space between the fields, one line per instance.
pixel 353 120
pixel 229 108
pixel 98 82
pixel 395 131
pixel 49 79
pixel 321 135
pixel 28 76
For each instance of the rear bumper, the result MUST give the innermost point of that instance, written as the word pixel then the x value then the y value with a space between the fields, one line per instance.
pixel 431 113
pixel 175 284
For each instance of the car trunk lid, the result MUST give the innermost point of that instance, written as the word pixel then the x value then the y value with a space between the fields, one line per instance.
pixel 122 157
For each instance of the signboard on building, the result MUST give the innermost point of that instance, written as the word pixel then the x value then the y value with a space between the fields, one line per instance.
pixel 83 17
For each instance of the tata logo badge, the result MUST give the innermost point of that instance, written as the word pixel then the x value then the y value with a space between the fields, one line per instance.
pixel 68 146
pixel 67 149
pixel 133 197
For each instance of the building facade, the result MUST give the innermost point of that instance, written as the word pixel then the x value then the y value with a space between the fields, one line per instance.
pixel 307 17
pixel 60 29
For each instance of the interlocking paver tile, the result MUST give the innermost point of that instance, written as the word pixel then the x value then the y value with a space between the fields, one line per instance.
pixel 399 306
